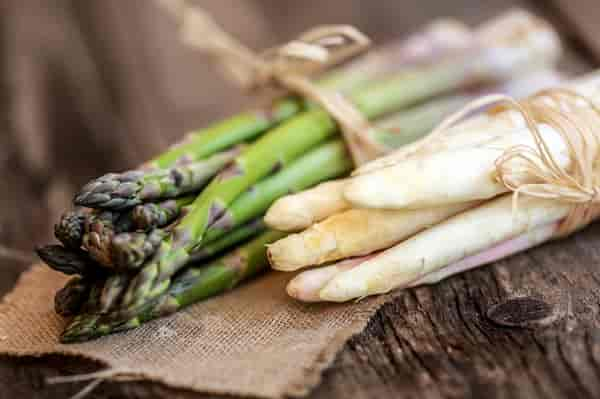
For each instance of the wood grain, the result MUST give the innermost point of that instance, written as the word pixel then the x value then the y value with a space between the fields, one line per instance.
pixel 95 86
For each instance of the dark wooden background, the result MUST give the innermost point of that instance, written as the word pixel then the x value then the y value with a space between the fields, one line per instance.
pixel 92 86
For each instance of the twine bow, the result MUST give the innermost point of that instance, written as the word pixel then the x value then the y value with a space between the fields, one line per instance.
pixel 287 67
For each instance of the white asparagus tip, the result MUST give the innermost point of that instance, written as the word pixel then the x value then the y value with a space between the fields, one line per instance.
pixel 285 215
pixel 289 255
pixel 341 289
pixel 305 286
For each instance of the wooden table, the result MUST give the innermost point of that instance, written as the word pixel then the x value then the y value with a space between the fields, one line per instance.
pixel 95 86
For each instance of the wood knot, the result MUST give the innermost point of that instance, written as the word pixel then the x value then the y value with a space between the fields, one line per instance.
pixel 520 312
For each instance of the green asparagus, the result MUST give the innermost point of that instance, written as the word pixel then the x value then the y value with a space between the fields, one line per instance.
pixel 70 229
pixel 121 191
pixel 69 261
pixel 100 228
pixel 112 290
pixel 130 250
pixel 409 125
pixel 150 215
pixel 235 236
pixel 192 285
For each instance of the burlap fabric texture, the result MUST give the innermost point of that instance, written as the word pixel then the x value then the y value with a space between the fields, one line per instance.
pixel 253 341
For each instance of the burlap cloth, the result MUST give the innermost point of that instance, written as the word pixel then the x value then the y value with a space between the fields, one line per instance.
pixel 253 340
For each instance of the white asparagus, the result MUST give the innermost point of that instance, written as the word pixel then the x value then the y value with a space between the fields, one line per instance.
pixel 354 232
pixel 458 237
pixel 505 249
pixel 295 212
pixel 447 177
pixel 307 285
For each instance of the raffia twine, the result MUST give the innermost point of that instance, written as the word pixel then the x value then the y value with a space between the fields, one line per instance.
pixel 536 172
pixel 286 68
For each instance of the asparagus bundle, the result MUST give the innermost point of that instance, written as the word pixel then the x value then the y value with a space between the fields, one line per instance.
pixel 138 252
pixel 413 227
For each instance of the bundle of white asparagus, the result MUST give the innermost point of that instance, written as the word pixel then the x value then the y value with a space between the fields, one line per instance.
pixel 436 208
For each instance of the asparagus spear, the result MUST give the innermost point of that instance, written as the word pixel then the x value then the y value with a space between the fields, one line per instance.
pixel 130 250
pixel 327 161
pixel 150 215
pixel 89 312
pixel 353 233
pixel 233 237
pixel 192 285
pixel 306 285
pixel 412 124
pixel 523 242
pixel 70 228
pixel 125 190
pixel 68 261
pixel 112 291
pixel 100 228
pixel 297 211
pixel 237 129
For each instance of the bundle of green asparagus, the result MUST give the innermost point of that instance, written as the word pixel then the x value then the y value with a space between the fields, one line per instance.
pixel 418 217
pixel 188 224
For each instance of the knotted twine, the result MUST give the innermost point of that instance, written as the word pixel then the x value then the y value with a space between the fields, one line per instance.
pixel 286 68
pixel 537 172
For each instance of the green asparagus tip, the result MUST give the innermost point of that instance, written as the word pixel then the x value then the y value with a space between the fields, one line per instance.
pixel 67 261
pixel 81 328
pixel 112 191
pixel 69 230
